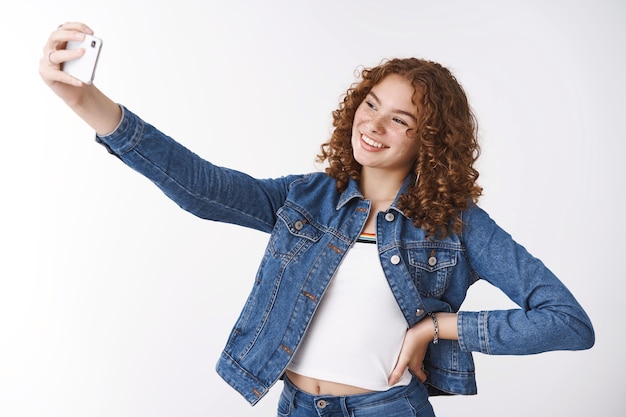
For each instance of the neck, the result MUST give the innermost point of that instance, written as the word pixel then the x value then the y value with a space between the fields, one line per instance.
pixel 378 186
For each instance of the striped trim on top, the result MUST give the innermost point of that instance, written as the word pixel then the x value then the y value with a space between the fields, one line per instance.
pixel 367 238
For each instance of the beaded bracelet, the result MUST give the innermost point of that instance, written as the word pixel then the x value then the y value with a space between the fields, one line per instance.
pixel 436 324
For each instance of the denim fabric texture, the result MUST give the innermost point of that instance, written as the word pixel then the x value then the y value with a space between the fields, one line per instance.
pixel 406 401
pixel 312 226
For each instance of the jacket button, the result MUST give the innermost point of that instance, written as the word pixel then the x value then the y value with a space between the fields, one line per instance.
pixel 298 225
pixel 395 259
pixel 432 261
pixel 418 312
pixel 389 217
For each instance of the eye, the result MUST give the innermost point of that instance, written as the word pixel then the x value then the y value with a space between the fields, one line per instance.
pixel 400 121
pixel 370 105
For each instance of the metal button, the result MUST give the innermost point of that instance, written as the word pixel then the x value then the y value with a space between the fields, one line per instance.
pixel 395 259
pixel 298 225
pixel 389 217
pixel 321 404
pixel 419 312
pixel 432 261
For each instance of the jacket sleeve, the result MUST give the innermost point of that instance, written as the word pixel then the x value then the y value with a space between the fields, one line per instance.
pixel 549 317
pixel 196 185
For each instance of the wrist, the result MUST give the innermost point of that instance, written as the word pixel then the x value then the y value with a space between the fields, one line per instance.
pixel 435 327
pixel 447 323
pixel 98 110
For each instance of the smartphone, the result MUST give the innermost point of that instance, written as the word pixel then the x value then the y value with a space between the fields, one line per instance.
pixel 84 68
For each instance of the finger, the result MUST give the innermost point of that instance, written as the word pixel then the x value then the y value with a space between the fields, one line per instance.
pixel 56 57
pixel 59 38
pixel 52 76
pixel 397 372
pixel 418 370
pixel 72 31
pixel 421 374
pixel 75 26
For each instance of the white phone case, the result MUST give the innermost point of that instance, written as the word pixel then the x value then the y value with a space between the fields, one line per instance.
pixel 84 68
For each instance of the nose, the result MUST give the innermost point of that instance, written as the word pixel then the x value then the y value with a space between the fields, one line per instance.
pixel 376 124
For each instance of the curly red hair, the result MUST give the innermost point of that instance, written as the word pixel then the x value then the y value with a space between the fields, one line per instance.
pixel 447 131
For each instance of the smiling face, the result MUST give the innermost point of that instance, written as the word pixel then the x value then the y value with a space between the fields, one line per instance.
pixel 384 129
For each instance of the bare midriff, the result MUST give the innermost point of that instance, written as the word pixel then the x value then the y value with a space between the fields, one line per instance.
pixel 321 387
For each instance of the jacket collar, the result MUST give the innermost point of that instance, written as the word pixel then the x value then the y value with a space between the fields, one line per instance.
pixel 352 191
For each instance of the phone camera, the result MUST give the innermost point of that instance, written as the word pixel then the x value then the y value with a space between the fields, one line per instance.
pixel 93 44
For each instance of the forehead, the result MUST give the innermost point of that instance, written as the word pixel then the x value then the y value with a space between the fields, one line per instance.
pixel 397 91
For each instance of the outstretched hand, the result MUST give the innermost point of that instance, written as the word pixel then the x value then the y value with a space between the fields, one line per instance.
pixel 55 54
pixel 94 107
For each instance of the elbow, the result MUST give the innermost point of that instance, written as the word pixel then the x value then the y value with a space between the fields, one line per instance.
pixel 572 331
pixel 582 336
pixel 586 332
pixel 588 338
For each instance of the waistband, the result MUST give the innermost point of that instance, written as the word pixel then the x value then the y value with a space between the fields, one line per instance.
pixel 331 403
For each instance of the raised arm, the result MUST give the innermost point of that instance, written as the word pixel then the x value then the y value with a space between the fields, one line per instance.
pixel 89 103
pixel 196 185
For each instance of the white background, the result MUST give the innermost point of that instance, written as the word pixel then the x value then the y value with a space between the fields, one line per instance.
pixel 114 302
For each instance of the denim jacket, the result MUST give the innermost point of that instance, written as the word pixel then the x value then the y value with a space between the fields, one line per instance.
pixel 312 226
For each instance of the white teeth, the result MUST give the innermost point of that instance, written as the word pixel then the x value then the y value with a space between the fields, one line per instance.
pixel 372 142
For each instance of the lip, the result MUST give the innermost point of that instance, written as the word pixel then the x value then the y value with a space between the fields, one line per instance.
pixel 370 143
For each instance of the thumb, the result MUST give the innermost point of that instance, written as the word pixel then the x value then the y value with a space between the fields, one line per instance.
pixel 397 372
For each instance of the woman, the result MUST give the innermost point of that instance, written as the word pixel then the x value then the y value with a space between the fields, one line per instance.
pixel 376 252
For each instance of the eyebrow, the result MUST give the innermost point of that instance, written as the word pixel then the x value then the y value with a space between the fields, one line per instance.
pixel 403 112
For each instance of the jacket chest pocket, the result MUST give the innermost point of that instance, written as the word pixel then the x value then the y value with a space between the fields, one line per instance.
pixel 293 234
pixel 431 268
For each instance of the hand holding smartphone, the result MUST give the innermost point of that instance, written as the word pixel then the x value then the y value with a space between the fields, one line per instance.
pixel 84 68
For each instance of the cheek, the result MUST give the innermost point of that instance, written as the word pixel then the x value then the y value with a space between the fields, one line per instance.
pixel 357 125
pixel 410 143
pixel 360 115
pixel 414 147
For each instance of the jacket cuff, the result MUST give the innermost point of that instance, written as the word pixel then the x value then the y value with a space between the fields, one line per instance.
pixel 472 330
pixel 125 136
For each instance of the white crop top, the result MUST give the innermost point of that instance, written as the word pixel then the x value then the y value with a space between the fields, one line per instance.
pixel 358 329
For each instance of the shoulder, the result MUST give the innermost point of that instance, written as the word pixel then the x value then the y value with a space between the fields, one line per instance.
pixel 312 181
pixel 481 230
pixel 315 189
pixel 473 213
